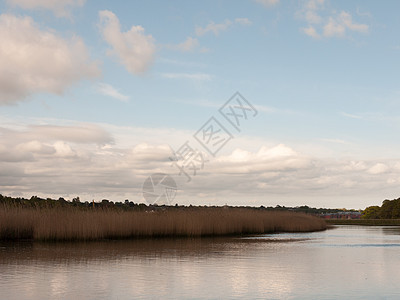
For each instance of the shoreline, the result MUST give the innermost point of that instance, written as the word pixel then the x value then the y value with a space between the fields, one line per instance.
pixel 364 222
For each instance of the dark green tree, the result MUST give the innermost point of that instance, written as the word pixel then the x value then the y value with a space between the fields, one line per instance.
pixel 371 212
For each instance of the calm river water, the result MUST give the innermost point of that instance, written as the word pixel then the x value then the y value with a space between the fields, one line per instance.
pixel 342 263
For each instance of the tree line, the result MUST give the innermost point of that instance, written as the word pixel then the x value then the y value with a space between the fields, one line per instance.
pixel 390 209
pixel 38 202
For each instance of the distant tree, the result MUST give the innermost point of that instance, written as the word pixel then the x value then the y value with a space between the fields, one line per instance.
pixel 396 209
pixel 371 212
pixel 387 209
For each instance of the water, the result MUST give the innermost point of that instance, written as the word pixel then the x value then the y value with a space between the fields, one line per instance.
pixel 346 262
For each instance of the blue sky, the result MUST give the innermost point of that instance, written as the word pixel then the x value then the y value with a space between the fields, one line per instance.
pixel 93 94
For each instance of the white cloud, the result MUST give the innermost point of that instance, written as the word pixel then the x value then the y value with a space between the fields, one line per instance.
pixel 35 147
pixel 63 150
pixel 266 109
pixel 278 151
pixel 268 3
pixel 204 50
pixel 352 116
pixel 334 28
pixel 378 168
pixel 192 76
pixel 188 45
pixel 61 8
pixel 314 4
pixel 346 19
pixel 146 152
pixel 323 22
pixel 37 142
pixel 108 90
pixel 33 60
pixel 243 21
pixel 214 28
pixel 363 13
pixel 312 17
pixel 134 49
pixel 310 31
pixel 80 134
pixel 265 161
pixel 355 166
pixel 191 44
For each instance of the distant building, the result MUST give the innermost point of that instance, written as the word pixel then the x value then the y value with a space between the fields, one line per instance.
pixel 342 215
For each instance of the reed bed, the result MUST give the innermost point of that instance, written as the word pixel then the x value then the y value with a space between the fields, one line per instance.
pixel 69 224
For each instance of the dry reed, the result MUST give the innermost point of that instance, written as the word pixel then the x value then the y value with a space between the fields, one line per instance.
pixel 77 224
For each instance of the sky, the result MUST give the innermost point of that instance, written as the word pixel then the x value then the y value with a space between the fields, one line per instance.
pixel 252 102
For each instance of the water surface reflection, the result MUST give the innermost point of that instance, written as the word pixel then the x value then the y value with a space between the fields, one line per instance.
pixel 348 261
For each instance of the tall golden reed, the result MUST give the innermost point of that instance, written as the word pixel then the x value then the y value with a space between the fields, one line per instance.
pixel 93 224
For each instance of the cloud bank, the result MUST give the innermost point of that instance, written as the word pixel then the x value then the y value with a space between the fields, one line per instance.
pixel 97 161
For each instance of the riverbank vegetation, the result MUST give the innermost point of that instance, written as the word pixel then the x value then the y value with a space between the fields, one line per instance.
pixel 68 223
pixel 390 209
